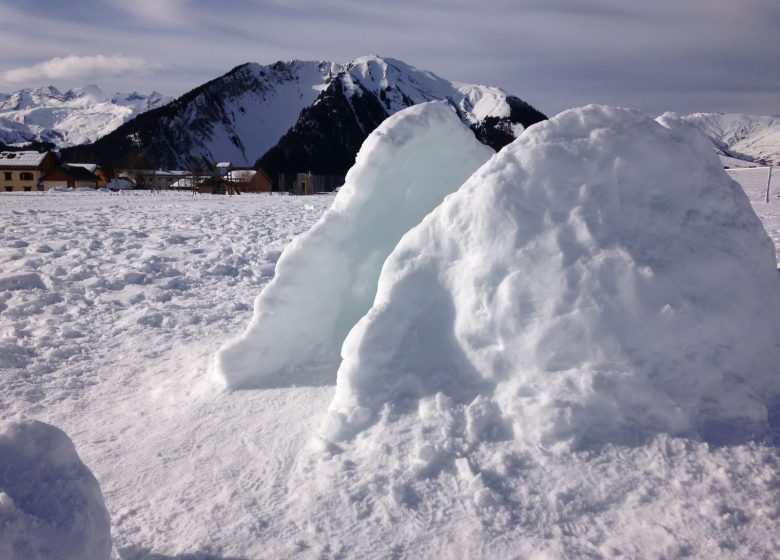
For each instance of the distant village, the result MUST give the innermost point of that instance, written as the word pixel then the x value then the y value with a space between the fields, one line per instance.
pixel 28 171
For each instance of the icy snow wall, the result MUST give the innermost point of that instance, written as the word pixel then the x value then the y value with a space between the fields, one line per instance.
pixel 599 280
pixel 51 506
pixel 326 279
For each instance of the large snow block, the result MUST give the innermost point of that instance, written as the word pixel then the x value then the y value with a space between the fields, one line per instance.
pixel 599 280
pixel 51 506
pixel 326 279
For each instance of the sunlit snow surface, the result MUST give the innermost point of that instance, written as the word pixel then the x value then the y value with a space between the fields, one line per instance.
pixel 111 307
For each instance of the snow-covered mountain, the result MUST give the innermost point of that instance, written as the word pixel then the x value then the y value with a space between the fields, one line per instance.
pixel 369 89
pixel 77 116
pixel 740 136
pixel 321 111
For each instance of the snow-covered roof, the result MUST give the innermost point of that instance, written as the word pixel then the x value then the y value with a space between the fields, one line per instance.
pixel 77 173
pixel 188 182
pixel 91 167
pixel 171 173
pixel 241 175
pixel 224 164
pixel 22 159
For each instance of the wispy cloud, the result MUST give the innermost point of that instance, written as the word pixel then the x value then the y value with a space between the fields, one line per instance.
pixel 684 55
pixel 159 13
pixel 79 67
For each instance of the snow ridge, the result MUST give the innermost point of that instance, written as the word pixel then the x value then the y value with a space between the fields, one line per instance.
pixel 400 85
pixel 287 343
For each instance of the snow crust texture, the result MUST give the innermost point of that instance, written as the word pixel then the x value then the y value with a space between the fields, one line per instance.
pixel 326 279
pixel 600 280
pixel 51 506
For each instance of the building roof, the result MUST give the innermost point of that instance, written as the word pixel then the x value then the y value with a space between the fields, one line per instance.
pixel 80 173
pixel 22 159
pixel 91 167
pixel 76 173
pixel 189 182
pixel 241 175
pixel 169 173
pixel 224 164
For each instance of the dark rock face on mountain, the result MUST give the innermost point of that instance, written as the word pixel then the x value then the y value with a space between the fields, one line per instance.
pixel 497 132
pixel 327 136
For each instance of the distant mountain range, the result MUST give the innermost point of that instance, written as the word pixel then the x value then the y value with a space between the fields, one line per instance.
pixel 294 116
pixel 742 137
pixel 77 116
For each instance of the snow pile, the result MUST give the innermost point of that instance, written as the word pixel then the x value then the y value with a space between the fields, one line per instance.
pixel 600 280
pixel 326 279
pixel 50 504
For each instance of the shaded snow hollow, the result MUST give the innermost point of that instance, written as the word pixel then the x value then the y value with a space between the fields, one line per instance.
pixel 326 279
pixel 600 280
pixel 50 503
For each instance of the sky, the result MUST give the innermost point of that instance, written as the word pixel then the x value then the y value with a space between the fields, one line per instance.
pixel 657 56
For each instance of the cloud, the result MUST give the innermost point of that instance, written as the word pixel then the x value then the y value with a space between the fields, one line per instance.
pixel 159 13
pixel 79 67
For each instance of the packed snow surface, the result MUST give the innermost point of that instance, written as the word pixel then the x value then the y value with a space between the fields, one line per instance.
pixel 114 307
pixel 50 503
pixel 326 279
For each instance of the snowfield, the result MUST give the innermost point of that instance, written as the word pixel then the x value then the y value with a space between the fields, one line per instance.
pixel 112 307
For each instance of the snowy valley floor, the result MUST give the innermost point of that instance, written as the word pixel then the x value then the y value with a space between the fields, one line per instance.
pixel 111 308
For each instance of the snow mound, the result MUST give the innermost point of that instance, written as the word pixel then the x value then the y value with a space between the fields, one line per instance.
pixel 50 503
pixel 326 279
pixel 600 280
pixel 21 281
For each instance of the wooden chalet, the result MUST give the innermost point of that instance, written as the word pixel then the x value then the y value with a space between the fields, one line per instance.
pixel 71 176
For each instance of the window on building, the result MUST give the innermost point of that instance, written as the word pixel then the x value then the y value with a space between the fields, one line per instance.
pixel 26 176
pixel 40 187
pixel 27 189
pixel 8 176
pixel 9 189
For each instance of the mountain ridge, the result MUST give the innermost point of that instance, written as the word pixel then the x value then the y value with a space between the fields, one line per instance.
pixel 746 137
